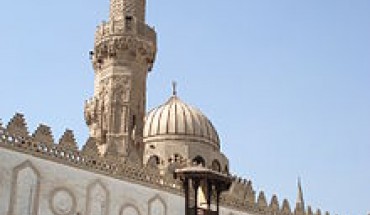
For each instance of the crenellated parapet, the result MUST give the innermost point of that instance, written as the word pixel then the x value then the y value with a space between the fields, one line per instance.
pixel 40 143
pixel 43 134
pixel 17 126
pixel 274 205
pixel 242 192
pixel 242 196
pixel 68 140
pixel 285 209
pixel 262 207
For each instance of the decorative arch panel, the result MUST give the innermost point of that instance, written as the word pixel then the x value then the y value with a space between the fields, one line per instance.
pixel 97 199
pixel 129 210
pixel 25 190
pixel 157 206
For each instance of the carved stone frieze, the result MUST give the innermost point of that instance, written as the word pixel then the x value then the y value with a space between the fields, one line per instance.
pixel 121 88
pixel 111 46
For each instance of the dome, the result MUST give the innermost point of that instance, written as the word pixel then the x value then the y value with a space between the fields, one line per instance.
pixel 176 120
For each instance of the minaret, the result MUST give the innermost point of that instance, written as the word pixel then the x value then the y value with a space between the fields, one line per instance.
pixel 300 207
pixel 124 52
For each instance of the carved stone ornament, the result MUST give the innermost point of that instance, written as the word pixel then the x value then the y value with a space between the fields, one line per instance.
pixel 90 148
pixel 111 46
pixel 68 140
pixel 18 126
pixel 62 202
pixel 43 134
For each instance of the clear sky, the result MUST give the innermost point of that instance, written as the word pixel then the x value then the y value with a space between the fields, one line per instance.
pixel 286 83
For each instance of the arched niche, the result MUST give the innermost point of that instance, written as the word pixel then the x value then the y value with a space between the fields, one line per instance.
pixel 129 210
pixel 157 206
pixel 24 197
pixel 153 161
pixel 199 160
pixel 97 202
pixel 216 166
pixel 226 169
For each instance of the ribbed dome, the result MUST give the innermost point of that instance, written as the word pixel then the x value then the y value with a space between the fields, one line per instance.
pixel 176 120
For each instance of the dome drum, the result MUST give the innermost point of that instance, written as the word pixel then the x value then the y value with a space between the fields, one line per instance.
pixel 184 154
pixel 176 134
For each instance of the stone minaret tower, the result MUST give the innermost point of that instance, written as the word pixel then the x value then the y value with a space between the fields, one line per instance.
pixel 124 52
pixel 300 206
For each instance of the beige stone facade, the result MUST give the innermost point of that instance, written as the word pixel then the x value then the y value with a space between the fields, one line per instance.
pixel 126 166
pixel 40 177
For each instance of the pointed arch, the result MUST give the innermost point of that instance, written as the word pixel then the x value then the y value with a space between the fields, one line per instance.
pixel 199 160
pixel 129 209
pixel 157 206
pixel 25 190
pixel 216 166
pixel 153 161
pixel 97 202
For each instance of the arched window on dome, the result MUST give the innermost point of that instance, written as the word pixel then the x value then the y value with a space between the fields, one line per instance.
pixel 153 161
pixel 199 160
pixel 216 166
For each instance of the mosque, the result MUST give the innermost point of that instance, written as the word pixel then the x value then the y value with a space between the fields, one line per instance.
pixel 134 162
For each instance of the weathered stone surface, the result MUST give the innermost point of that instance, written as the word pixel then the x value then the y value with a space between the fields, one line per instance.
pixel 68 140
pixel 113 173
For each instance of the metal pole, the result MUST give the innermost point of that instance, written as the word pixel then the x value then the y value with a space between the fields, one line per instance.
pixel 186 187
pixel 218 201
pixel 209 194
pixel 196 186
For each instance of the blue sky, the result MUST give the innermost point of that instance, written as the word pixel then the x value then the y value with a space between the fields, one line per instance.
pixel 286 83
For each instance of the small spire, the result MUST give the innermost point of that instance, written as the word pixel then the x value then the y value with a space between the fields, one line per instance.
pixel 300 201
pixel 174 88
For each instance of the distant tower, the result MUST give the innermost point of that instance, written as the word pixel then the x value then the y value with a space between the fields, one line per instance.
pixel 124 52
pixel 300 207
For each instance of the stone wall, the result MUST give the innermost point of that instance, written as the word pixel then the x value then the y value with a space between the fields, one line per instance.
pixel 40 177
pixel 35 186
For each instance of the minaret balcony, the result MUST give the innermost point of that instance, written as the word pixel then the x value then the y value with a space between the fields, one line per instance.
pixel 126 27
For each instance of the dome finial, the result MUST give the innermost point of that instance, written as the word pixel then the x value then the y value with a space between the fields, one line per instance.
pixel 174 90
